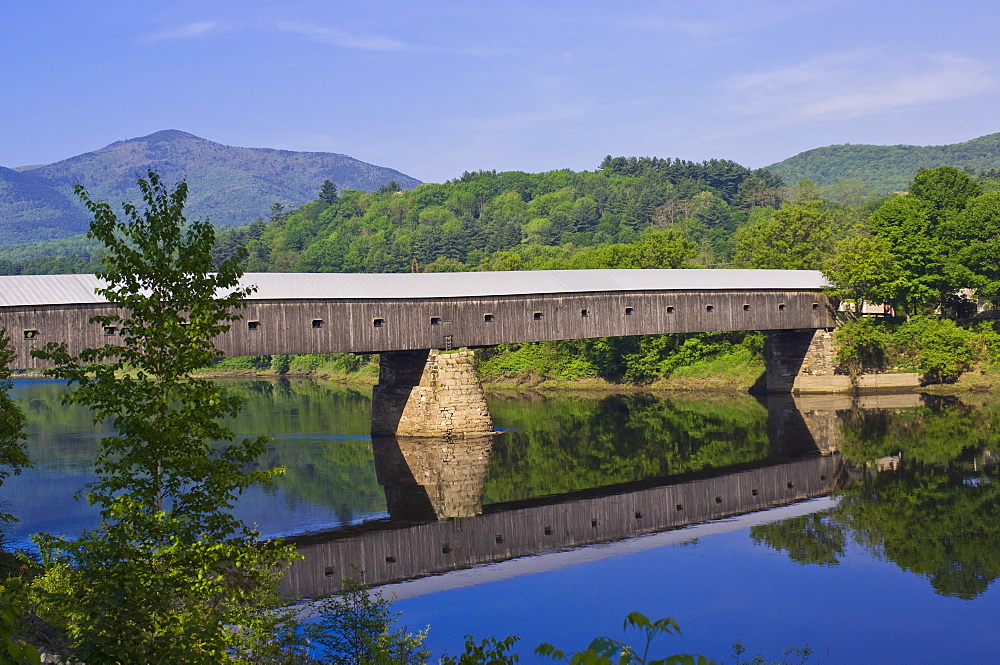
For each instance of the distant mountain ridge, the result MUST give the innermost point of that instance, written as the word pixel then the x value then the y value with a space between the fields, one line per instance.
pixel 227 185
pixel 886 168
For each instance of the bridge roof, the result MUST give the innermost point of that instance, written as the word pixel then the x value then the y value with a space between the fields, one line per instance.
pixel 22 290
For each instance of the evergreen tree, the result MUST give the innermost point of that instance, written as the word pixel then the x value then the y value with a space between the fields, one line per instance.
pixel 328 193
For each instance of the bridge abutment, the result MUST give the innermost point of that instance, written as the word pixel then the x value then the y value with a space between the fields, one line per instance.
pixel 798 360
pixel 429 393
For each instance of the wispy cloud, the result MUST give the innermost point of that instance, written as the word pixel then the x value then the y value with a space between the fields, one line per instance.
pixel 189 31
pixel 344 39
pixel 854 85
pixel 714 24
pixel 351 40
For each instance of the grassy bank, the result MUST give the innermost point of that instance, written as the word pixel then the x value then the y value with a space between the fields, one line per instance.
pixel 732 372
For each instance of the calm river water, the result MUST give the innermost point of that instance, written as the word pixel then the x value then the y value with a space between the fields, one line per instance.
pixel 570 509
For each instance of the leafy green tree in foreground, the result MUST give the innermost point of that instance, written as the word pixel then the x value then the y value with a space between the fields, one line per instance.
pixel 12 460
pixel 12 456
pixel 170 575
pixel 356 628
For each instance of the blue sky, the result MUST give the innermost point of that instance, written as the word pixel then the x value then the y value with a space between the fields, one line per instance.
pixel 435 88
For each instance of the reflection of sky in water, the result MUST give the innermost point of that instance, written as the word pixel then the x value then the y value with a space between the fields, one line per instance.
pixel 43 501
pixel 42 498
pixel 720 589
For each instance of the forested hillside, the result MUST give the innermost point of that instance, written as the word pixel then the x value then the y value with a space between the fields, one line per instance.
pixel 513 220
pixel 884 169
pixel 229 185
pixel 32 210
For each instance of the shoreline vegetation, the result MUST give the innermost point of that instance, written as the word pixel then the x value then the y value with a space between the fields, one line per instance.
pixel 729 373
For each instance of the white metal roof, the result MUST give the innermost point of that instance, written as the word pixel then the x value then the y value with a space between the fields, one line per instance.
pixel 20 290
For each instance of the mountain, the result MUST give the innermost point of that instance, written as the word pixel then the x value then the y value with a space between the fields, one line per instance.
pixel 886 168
pixel 227 185
pixel 31 210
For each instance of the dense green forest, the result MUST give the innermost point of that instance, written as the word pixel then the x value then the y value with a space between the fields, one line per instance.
pixel 885 169
pixel 490 220
pixel 915 252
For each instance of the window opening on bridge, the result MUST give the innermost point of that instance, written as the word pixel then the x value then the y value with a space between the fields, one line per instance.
pixel 435 320
pixel 487 318
pixel 746 308
pixel 593 523
pixel 781 307
pixel 317 323
pixel 822 476
pixel 446 548
pixel 709 308
pixel 253 325
pixel 718 499
pixel 30 334
pixel 584 312
pixel 110 331
pixel 548 531
pixel 378 323
pixel 638 515
pixel 754 492
pixel 537 316
pixel 815 305
pixel 670 309
pixel 328 571
pixel 791 485
pixel 628 311
pixel 680 506
pixel 499 538
pixel 390 559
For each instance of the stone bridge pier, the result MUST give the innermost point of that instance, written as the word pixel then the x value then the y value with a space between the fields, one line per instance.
pixel 429 393
pixel 802 361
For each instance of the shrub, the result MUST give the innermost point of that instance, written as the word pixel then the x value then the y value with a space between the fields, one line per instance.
pixel 939 348
pixel 862 346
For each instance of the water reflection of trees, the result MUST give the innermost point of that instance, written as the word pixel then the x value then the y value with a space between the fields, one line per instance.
pixel 577 443
pixel 560 444
pixel 924 495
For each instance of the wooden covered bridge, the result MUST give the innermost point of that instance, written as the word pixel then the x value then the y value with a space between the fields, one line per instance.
pixel 405 316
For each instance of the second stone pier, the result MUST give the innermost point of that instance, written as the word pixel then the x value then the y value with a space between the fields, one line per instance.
pixel 429 393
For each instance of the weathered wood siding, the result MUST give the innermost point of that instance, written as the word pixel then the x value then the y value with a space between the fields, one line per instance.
pixel 336 325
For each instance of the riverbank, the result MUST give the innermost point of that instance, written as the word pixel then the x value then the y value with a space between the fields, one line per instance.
pixel 720 376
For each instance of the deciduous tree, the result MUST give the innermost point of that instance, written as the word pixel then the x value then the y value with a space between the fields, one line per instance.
pixel 797 237
pixel 169 575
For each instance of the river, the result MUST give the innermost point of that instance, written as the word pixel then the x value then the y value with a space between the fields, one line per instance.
pixel 867 530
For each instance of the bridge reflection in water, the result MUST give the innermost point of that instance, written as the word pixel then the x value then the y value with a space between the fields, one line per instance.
pixel 434 490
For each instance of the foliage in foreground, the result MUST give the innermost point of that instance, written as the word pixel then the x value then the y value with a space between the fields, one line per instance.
pixel 12 460
pixel 169 575
pixel 12 456
pixel 609 651
pixel 359 628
